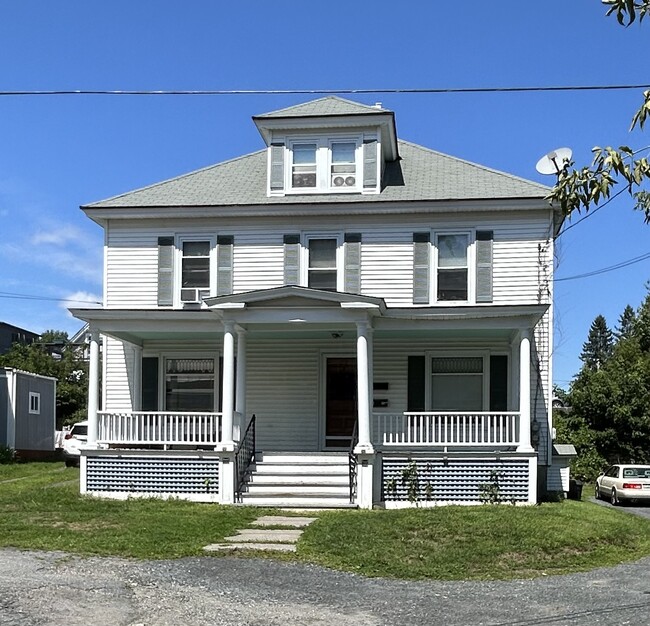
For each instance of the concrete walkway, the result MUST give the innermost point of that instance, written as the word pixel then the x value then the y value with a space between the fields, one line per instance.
pixel 276 533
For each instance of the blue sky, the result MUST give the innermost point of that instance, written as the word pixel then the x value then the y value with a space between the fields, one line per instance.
pixel 57 153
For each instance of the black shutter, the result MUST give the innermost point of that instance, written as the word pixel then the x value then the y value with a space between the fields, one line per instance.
pixel 149 398
pixel 416 384
pixel 484 240
pixel 498 382
pixel 165 271
pixel 352 263
pixel 225 244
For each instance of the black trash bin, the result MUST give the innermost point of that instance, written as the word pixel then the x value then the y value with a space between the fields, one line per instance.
pixel 575 489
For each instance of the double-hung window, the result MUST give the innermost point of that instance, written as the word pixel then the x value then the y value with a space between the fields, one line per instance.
pixel 322 266
pixel 190 384
pixel 452 279
pixel 304 173
pixel 343 168
pixel 195 270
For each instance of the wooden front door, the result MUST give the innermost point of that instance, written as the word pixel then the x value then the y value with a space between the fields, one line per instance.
pixel 340 401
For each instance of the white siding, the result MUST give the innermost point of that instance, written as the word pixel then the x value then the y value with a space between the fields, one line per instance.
pixel 132 268
pixel 118 375
pixel 258 261
pixel 521 268
pixel 283 392
pixel 540 391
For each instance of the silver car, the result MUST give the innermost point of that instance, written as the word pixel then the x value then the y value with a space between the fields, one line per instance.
pixel 621 483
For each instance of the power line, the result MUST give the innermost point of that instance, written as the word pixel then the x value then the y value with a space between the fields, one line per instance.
pixel 26 296
pixel 610 268
pixel 280 92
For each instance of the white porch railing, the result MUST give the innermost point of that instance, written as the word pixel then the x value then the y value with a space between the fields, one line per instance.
pixel 159 428
pixel 446 429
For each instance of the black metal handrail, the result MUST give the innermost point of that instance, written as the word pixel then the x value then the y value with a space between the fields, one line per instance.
pixel 352 461
pixel 244 457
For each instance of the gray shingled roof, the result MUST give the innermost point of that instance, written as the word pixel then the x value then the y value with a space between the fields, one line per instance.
pixel 420 174
pixel 330 105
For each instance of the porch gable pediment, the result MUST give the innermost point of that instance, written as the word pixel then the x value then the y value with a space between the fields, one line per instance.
pixel 294 297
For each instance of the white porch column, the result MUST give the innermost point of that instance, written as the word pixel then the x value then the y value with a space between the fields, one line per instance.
pixel 364 349
pixel 524 392
pixel 93 388
pixel 228 399
pixel 240 397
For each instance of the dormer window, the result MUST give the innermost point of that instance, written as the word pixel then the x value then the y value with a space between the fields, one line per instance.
pixel 344 166
pixel 324 164
pixel 303 167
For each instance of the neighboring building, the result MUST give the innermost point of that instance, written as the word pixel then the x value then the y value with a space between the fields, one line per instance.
pixel 27 412
pixel 10 334
pixel 384 311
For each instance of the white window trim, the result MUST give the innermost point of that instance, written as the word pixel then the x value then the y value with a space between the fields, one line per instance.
pixel 471 266
pixel 304 257
pixel 323 163
pixel 179 240
pixel 36 397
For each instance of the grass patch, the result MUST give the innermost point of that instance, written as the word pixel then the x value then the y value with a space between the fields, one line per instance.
pixel 44 511
pixel 40 513
pixel 486 542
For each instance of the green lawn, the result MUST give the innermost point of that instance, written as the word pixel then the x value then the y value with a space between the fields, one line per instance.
pixel 44 511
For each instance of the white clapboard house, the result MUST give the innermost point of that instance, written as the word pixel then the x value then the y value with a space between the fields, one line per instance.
pixel 342 319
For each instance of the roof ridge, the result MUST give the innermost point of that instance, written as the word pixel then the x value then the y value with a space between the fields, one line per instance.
pixel 175 178
pixel 322 99
pixel 477 165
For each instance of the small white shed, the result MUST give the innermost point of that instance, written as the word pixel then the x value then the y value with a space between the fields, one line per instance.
pixel 27 412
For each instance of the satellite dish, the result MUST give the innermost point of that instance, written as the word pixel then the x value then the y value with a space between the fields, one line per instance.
pixel 555 161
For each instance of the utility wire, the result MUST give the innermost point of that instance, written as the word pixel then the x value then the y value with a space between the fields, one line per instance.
pixel 26 296
pixel 604 270
pixel 273 92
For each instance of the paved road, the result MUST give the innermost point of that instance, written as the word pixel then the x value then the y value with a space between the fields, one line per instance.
pixel 39 588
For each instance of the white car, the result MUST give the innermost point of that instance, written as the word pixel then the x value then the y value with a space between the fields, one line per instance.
pixel 74 440
pixel 621 483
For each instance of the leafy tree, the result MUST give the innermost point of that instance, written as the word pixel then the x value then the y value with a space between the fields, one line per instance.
pixel 626 323
pixel 598 347
pixel 66 366
pixel 54 336
pixel 582 188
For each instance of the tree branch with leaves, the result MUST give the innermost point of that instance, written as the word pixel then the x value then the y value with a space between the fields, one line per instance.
pixel 586 187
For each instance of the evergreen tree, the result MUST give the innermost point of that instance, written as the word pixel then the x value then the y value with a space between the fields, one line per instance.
pixel 626 322
pixel 642 324
pixel 598 347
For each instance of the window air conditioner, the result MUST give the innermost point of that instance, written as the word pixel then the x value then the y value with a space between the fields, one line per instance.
pixel 343 180
pixel 193 295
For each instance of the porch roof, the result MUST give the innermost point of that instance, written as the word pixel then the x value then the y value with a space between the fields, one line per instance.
pixel 294 312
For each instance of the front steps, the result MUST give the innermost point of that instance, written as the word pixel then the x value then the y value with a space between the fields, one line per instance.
pixel 300 480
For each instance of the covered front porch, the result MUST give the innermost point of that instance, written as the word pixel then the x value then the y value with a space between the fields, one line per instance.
pixel 303 371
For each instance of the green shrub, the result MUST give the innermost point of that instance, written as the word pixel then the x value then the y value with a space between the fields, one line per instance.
pixel 7 455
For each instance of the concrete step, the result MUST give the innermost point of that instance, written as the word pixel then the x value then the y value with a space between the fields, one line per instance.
pixel 295 489
pixel 267 547
pixel 263 535
pixel 310 469
pixel 302 458
pixel 294 501
pixel 283 520
pixel 257 478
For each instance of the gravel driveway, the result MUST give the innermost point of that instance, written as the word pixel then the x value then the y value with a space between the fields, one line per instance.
pixel 53 588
